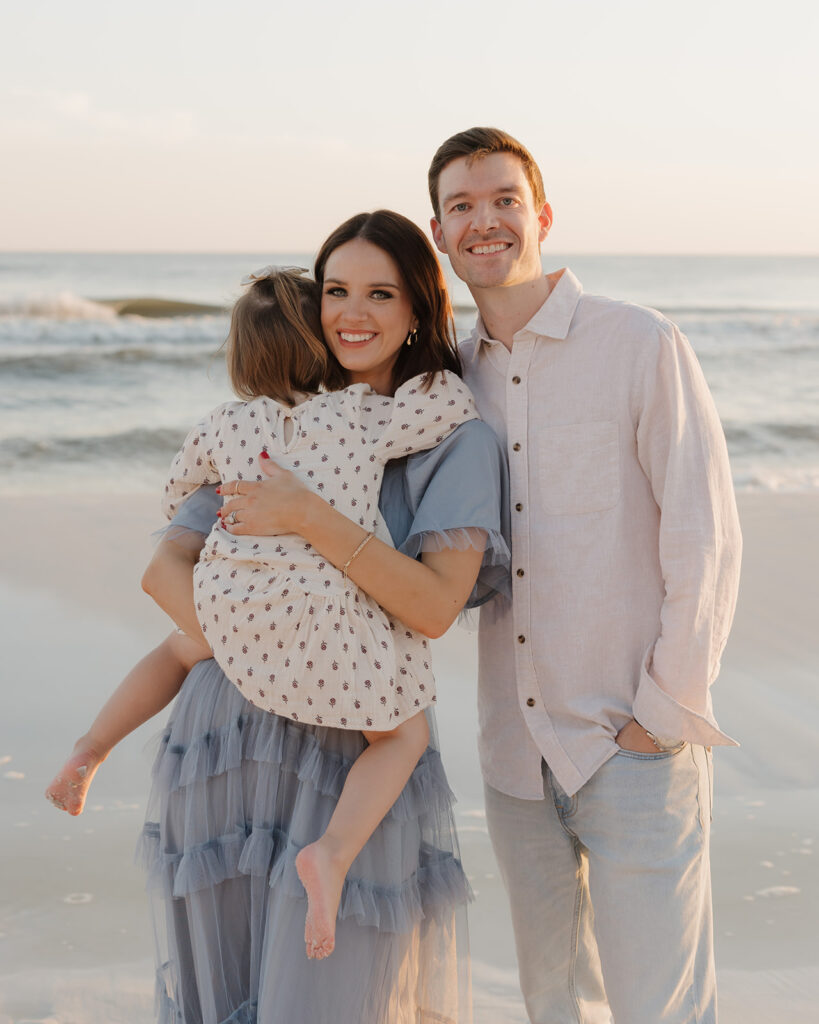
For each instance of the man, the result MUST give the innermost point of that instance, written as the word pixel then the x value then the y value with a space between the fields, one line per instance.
pixel 595 714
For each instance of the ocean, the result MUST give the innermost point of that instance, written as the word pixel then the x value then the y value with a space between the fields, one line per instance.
pixel 96 395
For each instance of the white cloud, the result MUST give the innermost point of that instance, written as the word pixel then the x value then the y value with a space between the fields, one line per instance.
pixel 40 112
pixel 72 104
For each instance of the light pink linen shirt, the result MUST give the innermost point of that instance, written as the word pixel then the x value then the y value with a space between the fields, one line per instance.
pixel 625 539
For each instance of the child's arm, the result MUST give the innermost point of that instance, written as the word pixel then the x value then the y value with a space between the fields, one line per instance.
pixel 150 685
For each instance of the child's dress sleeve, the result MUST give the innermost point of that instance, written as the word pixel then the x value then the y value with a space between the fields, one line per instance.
pixel 193 464
pixel 421 419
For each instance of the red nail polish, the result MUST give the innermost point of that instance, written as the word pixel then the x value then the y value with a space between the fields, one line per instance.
pixel 218 490
pixel 219 512
pixel 264 455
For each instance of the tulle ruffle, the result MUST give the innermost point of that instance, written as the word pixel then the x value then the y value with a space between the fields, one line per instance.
pixel 494 576
pixel 237 793
pixel 289 747
pixel 280 747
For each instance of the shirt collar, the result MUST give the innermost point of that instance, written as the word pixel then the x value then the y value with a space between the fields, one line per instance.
pixel 552 320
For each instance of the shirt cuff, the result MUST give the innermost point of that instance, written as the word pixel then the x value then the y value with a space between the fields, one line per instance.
pixel 657 711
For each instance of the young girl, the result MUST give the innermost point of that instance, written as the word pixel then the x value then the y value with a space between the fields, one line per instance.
pixel 288 628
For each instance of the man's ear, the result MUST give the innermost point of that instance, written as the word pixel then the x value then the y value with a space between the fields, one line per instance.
pixel 545 218
pixel 438 235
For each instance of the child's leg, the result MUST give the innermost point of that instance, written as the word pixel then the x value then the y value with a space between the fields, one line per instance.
pixel 150 685
pixel 372 787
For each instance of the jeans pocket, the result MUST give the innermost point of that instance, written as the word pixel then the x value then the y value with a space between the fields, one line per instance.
pixel 659 755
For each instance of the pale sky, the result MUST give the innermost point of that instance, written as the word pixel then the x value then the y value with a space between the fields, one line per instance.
pixel 659 126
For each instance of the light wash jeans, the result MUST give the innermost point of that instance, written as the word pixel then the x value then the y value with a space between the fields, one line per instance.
pixel 610 892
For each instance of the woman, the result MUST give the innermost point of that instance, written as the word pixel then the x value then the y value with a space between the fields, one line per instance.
pixel 238 792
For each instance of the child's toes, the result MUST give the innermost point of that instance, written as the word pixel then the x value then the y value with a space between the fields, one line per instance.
pixel 54 799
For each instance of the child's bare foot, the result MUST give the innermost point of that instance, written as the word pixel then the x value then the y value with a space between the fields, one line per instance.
pixel 323 878
pixel 69 788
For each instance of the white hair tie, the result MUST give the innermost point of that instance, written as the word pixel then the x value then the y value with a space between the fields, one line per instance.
pixel 269 271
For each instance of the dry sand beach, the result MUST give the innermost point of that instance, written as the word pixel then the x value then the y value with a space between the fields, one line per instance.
pixel 74 941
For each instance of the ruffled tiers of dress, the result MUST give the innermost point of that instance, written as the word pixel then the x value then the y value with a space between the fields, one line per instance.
pixel 237 792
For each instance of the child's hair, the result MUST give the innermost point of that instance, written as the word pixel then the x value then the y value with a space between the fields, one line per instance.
pixel 274 346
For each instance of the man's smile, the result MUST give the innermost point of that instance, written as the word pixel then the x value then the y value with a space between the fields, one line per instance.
pixel 484 249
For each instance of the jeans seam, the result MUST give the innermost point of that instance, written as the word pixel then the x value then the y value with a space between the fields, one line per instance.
pixel 701 818
pixel 561 814
pixel 695 993
pixel 578 896
pixel 578 906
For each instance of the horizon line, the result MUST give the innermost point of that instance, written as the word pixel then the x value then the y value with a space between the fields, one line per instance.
pixel 306 252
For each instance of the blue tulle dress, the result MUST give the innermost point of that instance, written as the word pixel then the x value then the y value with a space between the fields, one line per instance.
pixel 238 791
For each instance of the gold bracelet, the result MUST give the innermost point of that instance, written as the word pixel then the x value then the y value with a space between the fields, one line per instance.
pixel 355 554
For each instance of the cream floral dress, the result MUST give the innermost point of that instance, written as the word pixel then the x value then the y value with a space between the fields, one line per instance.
pixel 285 626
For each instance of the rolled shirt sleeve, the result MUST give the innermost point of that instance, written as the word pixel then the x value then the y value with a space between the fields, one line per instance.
pixel 681 447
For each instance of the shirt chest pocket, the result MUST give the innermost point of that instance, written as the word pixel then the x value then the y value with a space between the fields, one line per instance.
pixel 579 467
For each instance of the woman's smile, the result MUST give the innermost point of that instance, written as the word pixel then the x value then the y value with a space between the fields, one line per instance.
pixel 366 312
pixel 350 338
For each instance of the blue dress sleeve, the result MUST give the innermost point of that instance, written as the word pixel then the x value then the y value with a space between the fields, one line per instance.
pixel 435 499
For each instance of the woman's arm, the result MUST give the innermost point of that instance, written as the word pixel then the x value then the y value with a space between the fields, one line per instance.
pixel 426 595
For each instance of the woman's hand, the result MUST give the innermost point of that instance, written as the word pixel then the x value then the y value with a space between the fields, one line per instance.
pixel 267 507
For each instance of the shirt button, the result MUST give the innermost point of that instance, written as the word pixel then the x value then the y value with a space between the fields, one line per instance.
pixel 520 572
pixel 530 703
pixel 516 446
pixel 521 639
pixel 516 380
pixel 519 507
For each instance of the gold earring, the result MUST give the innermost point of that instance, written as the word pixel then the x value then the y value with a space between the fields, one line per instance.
pixel 412 336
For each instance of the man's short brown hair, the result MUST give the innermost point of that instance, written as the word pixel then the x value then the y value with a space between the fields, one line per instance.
pixel 480 142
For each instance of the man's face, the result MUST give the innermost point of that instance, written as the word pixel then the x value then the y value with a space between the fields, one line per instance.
pixel 489 226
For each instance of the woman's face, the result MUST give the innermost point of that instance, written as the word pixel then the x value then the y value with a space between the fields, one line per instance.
pixel 366 313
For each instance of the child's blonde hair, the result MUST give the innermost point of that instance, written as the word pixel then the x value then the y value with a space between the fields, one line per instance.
pixel 274 346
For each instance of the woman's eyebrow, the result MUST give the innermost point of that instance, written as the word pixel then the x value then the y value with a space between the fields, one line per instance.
pixel 374 284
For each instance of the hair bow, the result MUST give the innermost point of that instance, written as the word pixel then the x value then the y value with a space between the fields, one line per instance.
pixel 270 271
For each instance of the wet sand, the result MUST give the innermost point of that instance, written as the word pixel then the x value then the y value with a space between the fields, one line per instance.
pixel 74 934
